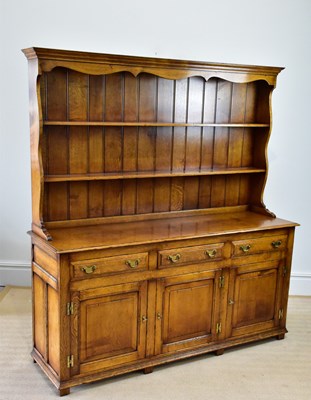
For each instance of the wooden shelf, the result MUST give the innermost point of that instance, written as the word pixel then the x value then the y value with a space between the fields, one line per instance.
pixel 149 174
pixel 153 124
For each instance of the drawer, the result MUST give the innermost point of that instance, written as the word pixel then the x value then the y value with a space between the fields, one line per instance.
pixel 110 265
pixel 259 245
pixel 193 254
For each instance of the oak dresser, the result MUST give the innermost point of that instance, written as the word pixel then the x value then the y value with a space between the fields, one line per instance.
pixel 151 242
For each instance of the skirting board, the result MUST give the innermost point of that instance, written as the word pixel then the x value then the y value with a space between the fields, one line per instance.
pixel 15 273
pixel 19 274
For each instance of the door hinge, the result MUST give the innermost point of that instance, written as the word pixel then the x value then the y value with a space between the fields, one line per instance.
pixel 70 308
pixel 70 361
pixel 281 313
pixel 218 328
pixel 221 281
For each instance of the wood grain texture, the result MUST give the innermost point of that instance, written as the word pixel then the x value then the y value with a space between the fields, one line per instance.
pixel 97 64
pixel 153 231
pixel 126 127
pixel 149 174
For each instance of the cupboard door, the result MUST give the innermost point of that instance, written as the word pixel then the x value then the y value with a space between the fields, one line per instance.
pixel 108 326
pixel 187 311
pixel 254 299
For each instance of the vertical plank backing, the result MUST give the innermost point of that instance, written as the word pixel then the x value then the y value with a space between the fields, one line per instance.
pixel 250 117
pixel 195 109
pixel 96 109
pixel 177 194
pixel 251 102
pixel 112 198
pixel 57 155
pixel 146 141
pixel 147 113
pixel 78 110
pixel 130 114
pixel 179 143
pixel 208 137
pixel 205 184
pixel 162 194
pixel 222 115
pixel 78 150
pixel 263 102
pixel 145 196
pixel 245 189
pixel 96 199
pixel 78 201
pixel 113 112
pixel 232 190
pixel 248 147
pixel 130 142
pixel 209 117
pixel 180 116
pixel 193 141
pixel 56 109
pixel 96 144
pixel 57 142
pixel 221 142
pixel 191 193
pixel 56 97
pixel 165 104
pixel 57 195
pixel 235 147
pixel 129 196
pixel 218 191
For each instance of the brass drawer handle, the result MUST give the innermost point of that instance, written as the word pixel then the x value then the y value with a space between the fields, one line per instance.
pixel 89 269
pixel 276 244
pixel 133 263
pixel 174 258
pixel 245 248
pixel 211 253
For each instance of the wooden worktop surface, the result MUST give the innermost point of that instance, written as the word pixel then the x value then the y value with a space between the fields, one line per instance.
pixel 162 230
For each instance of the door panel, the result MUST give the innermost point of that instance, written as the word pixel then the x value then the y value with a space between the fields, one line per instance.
pixel 111 328
pixel 187 311
pixel 183 318
pixel 254 298
pixel 108 326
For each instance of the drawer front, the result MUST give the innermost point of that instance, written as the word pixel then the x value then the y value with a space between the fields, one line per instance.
pixel 110 265
pixel 187 255
pixel 259 245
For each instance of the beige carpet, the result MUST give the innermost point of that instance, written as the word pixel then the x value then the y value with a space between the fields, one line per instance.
pixel 271 370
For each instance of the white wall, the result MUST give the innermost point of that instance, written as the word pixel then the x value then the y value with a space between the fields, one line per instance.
pixel 267 32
